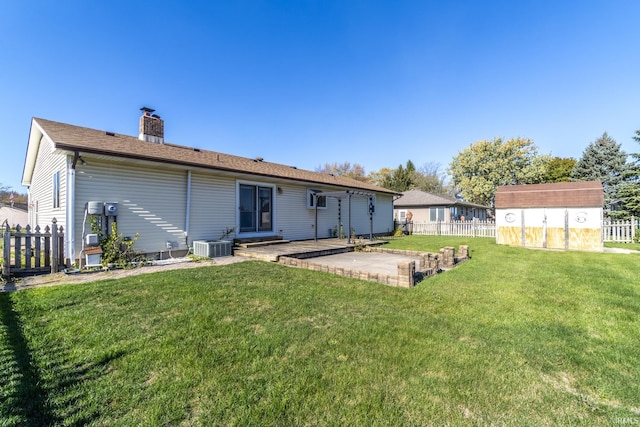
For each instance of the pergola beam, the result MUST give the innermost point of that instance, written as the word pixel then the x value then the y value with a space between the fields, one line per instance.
pixel 348 194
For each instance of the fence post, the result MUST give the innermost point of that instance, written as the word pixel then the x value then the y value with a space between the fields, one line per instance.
pixel 38 247
pixel 6 267
pixel 61 260
pixel 54 245
pixel 27 247
pixel 47 246
pixel 634 228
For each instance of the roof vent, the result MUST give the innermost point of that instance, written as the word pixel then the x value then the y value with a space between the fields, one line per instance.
pixel 151 126
pixel 110 133
pixel 258 159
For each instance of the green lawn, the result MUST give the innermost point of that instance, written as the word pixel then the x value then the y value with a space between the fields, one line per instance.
pixel 511 337
pixel 632 246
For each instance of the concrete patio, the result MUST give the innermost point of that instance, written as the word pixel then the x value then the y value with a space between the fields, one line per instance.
pixel 273 250
pixel 362 259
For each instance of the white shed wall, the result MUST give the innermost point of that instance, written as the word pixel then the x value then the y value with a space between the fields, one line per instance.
pixel 571 228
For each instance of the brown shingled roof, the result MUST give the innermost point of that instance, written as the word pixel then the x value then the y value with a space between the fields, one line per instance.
pixel 422 198
pixel 85 140
pixel 555 195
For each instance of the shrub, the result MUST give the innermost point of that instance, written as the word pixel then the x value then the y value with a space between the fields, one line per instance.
pixel 116 249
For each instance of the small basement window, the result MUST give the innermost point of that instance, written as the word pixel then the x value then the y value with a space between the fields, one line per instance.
pixel 322 200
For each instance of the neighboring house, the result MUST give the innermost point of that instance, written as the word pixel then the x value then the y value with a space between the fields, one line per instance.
pixel 564 215
pixel 13 216
pixel 428 207
pixel 172 194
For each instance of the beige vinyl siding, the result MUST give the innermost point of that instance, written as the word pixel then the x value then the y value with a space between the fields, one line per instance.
pixel 360 223
pixel 151 202
pixel 213 206
pixel 294 220
pixel 41 191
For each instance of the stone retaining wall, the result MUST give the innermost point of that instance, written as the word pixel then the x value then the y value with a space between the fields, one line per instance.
pixel 408 273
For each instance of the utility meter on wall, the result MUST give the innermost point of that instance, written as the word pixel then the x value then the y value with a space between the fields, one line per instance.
pixel 110 208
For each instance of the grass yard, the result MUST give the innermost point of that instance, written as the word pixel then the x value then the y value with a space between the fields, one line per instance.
pixel 511 337
pixel 631 246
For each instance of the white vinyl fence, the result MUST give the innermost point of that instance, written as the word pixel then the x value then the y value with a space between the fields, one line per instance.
pixel 612 231
pixel 620 231
pixel 475 228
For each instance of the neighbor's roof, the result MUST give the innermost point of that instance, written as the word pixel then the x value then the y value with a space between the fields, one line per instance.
pixel 555 195
pixel 84 140
pixel 416 198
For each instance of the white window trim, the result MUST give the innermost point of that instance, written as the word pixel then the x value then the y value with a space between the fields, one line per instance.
pixel 55 203
pixel 273 209
pixel 310 202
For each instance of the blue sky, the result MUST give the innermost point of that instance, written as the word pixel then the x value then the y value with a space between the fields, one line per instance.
pixel 306 83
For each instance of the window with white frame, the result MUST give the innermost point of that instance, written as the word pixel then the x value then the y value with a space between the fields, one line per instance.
pixel 56 190
pixel 256 207
pixel 311 198
pixel 436 214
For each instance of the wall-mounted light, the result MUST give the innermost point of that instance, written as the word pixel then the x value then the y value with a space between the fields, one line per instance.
pixel 280 190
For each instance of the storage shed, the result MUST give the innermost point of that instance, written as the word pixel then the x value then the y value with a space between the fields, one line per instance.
pixel 564 215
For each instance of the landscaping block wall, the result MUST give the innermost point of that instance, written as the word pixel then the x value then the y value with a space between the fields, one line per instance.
pixel 408 273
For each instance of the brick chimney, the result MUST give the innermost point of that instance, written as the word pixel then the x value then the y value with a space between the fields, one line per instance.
pixel 151 126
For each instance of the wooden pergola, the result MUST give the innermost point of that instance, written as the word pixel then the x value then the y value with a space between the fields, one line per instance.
pixel 340 195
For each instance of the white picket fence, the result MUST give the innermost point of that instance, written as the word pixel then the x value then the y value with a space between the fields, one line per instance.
pixel 475 228
pixel 612 231
pixel 620 231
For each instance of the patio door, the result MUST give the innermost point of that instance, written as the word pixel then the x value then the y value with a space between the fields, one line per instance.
pixel 256 208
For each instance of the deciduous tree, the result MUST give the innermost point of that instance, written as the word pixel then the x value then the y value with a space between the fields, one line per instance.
pixel 354 171
pixel 559 169
pixel 478 170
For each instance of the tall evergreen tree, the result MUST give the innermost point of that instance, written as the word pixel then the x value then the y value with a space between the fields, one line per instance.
pixel 603 160
pixel 629 193
pixel 400 179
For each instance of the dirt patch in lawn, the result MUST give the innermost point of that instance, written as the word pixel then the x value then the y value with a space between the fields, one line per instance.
pixel 91 276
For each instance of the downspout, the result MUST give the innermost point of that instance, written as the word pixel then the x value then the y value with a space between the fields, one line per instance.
pixel 349 230
pixel 188 210
pixel 70 229
pixel 315 204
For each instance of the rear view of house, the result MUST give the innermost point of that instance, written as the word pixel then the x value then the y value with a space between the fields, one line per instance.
pixel 565 215
pixel 173 195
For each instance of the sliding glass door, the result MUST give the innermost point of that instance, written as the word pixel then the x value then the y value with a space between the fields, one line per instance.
pixel 256 208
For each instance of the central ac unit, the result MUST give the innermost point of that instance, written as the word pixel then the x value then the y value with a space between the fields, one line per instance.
pixel 212 248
